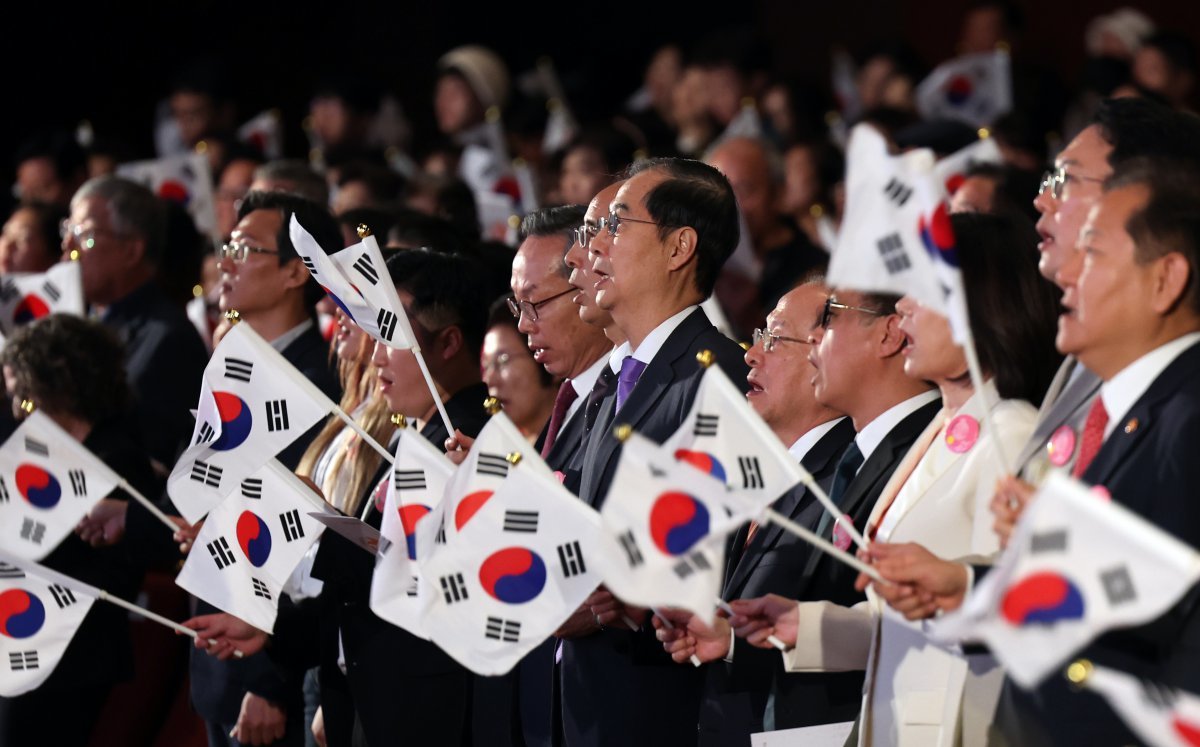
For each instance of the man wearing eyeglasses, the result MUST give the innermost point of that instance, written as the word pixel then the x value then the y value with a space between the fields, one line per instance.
pixel 671 227
pixel 117 232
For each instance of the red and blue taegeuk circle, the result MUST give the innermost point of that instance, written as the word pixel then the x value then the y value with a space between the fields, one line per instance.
pixel 677 521
pixel 1044 597
pixel 254 538
pixel 38 486
pixel 959 90
pixel 702 460
pixel 21 614
pixel 938 236
pixel 467 507
pixel 514 575
pixel 409 516
pixel 174 191
pixel 236 421
pixel 29 308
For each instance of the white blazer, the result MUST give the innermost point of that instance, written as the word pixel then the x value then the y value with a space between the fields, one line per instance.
pixel 917 692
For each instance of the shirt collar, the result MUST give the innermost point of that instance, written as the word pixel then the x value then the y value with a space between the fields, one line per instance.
pixel 658 336
pixel 804 444
pixel 584 382
pixel 1122 391
pixel 873 433
pixel 287 338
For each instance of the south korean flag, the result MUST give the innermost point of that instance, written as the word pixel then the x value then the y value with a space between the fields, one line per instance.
pixel 27 297
pixel 253 404
pixel 185 179
pixel 416 486
pixel 48 482
pixel 357 280
pixel 522 566
pixel 251 543
pixel 38 618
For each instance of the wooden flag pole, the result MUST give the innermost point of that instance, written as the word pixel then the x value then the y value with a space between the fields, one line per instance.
pixel 153 509
pixel 349 421
pixel 977 382
pixel 437 398
pixel 823 545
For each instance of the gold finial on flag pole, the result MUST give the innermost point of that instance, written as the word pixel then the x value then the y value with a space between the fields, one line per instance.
pixel 1080 671
pixel 233 316
pixel 363 231
pixel 491 405
pixel 399 420
pixel 27 406
pixel 514 458
pixel 623 432
pixel 705 358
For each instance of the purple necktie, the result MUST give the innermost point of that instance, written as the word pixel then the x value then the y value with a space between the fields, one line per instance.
pixel 562 403
pixel 631 371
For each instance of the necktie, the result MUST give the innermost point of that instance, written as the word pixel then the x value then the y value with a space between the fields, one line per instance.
pixel 843 475
pixel 631 371
pixel 591 406
pixel 562 403
pixel 1093 436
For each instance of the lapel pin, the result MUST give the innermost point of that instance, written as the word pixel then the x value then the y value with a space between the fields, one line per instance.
pixel 1061 446
pixel 961 434
pixel 1132 425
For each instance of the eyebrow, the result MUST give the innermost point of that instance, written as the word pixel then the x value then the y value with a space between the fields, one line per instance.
pixel 618 206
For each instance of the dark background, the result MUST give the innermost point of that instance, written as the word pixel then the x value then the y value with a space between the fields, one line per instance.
pixel 110 63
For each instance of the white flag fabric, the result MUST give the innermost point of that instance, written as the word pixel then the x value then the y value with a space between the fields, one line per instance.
pixel 185 179
pixel 265 133
pixel 38 618
pixel 974 88
pixel 896 236
pixel 253 404
pixel 1076 566
pixel 416 487
pixel 726 439
pixel 25 297
pixel 521 568
pixel 251 543
pixel 561 127
pixel 48 482
pixel 746 123
pixel 364 268
pixel 357 280
pixel 1159 715
pixel 664 530
pixel 952 170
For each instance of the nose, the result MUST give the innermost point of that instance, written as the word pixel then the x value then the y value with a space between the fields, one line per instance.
pixel 1044 202
pixel 379 356
pixel 753 356
pixel 574 255
pixel 525 325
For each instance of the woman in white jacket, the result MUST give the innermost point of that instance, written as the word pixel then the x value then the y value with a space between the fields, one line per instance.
pixel 918 692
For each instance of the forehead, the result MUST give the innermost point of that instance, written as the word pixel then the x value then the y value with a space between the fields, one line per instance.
pixel 633 192
pixel 599 204
pixel 1089 150
pixel 90 208
pixel 260 225
pixel 800 306
pixel 1111 213
pixel 537 259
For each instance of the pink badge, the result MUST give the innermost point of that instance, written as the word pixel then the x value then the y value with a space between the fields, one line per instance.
pixel 962 433
pixel 558 475
pixel 841 538
pixel 1061 445
pixel 381 494
pixel 1102 493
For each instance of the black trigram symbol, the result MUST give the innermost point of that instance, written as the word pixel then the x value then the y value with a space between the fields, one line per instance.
pixel 277 415
pixel 208 474
pixel 8 291
pixel 252 488
pixel 706 425
pixel 33 531
pixel 3 491
pixel 440 537
pixel 521 521
pixel 692 563
pixel 897 191
pixel 219 549
pixel 408 479
pixel 10 571
pixel 34 446
pixel 236 368
pixel 292 529
pixel 19 661
pixel 503 630
pixel 387 324
pixel 751 472
pixel 366 269
pixel 570 556
pixel 207 433
pixel 492 464
pixel 312 267
pixel 891 248
pixel 453 588
pixel 63 596
pixel 260 589
pixel 630 546
pixel 1053 541
pixel 1118 585
pixel 411 591
pixel 51 290
pixel 78 482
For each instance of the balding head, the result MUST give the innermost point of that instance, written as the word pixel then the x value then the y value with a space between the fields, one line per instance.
pixel 756 173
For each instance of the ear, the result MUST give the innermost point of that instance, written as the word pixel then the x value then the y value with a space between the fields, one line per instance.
pixel 450 341
pixel 295 274
pixel 682 246
pixel 1172 278
pixel 137 252
pixel 890 340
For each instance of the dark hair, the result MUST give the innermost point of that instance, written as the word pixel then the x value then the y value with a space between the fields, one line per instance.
pixel 301 178
pixel 60 148
pixel 378 220
pixel 1014 19
pixel 1137 127
pixel 1013 187
pixel 697 195
pixel 1013 310
pixel 454 200
pixel 133 210
pixel 383 184
pixel 1178 50
pixel 500 316
pixel 614 147
pixel 47 220
pixel 830 166
pixel 1168 221
pixel 558 221
pixel 447 290
pixel 414 229
pixel 315 219
pixel 180 269
pixel 882 303
pixel 70 365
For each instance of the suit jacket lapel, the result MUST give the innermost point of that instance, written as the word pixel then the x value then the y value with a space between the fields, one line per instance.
pixel 568 440
pixel 1052 415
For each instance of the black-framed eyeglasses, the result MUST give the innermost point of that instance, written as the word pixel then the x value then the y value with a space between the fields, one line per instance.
pixel 239 250
pixel 585 233
pixel 530 308
pixel 84 237
pixel 830 305
pixel 613 223
pixel 1056 180
pixel 769 339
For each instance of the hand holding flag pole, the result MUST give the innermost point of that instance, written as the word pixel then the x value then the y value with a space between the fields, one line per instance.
pixel 771 639
pixel 671 626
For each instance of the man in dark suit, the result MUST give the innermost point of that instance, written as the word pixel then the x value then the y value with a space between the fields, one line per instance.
pixel 767 559
pixel 670 228
pixel 263 279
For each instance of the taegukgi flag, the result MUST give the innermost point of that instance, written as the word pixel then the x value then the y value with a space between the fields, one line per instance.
pixel 521 567
pixel 974 88
pixel 253 404
pixel 48 482
pixel 1162 716
pixel 25 297
pixel 185 179
pixel 251 543
pixel 952 170
pixel 1076 566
